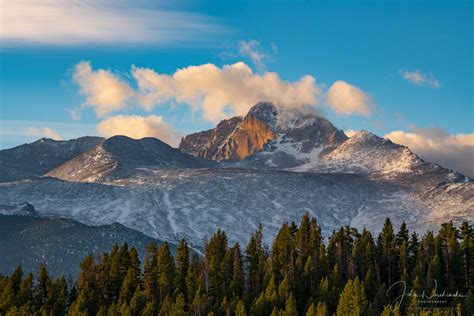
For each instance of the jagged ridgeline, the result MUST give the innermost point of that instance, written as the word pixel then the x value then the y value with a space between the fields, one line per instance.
pixel 352 273
pixel 247 170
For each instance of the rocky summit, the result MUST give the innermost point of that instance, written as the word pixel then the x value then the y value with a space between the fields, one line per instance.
pixel 292 137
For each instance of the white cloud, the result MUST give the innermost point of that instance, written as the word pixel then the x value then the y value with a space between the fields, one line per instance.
pixel 43 132
pixel 218 92
pixel 418 78
pixel 436 145
pixel 63 22
pixel 347 99
pixel 138 127
pixel 254 51
pixel 104 91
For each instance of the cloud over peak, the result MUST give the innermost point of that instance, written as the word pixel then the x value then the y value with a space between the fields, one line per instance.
pixel 217 92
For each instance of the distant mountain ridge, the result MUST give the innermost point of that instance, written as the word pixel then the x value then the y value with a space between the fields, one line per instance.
pixel 121 156
pixel 33 160
pixel 61 243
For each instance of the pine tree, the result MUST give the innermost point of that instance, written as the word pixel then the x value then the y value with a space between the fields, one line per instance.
pixel 193 278
pixel 200 303
pixel 137 302
pixel 178 307
pixel 182 266
pixel 468 305
pixel 320 310
pixel 240 309
pixel 386 252
pixel 128 287
pixel 166 270
pixel 256 263
pixel 41 291
pixel 290 307
pixel 467 254
pixel 57 297
pixel 25 295
pixel 403 235
pixel 352 300
pixel 276 312
pixel 215 252
pixel 237 282
pixel 150 274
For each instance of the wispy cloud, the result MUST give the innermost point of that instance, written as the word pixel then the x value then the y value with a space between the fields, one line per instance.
pixel 436 145
pixel 63 22
pixel 253 50
pixel 418 78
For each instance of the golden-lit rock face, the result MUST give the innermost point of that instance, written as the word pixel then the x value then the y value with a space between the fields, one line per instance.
pixel 247 139
pixel 232 139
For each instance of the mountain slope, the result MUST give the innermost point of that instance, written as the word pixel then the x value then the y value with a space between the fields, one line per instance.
pixel 366 153
pixel 122 157
pixel 59 242
pixel 32 160
pixel 193 203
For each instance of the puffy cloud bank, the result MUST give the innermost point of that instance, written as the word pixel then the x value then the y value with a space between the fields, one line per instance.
pixel 218 92
pixel 347 99
pixel 138 127
pixel 436 145
pixel 103 90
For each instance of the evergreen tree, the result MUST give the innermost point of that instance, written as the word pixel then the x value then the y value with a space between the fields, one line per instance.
pixel 178 307
pixel 215 252
pixel 150 275
pixel 290 307
pixel 352 300
pixel 386 253
pixel 166 270
pixel 256 263
pixel 182 266
pixel 240 309
pixel 319 310
pixel 137 302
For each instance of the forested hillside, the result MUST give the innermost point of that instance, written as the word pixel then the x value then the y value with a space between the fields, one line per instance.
pixel 352 273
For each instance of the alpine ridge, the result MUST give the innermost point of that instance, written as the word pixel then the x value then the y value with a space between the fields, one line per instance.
pixel 270 166
pixel 33 160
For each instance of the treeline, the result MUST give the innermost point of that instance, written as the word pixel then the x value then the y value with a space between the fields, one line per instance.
pixel 300 274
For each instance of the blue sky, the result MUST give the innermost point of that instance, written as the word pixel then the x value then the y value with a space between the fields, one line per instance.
pixel 412 60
